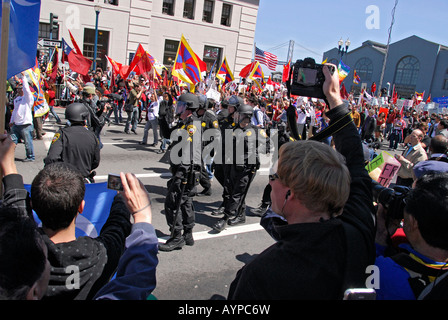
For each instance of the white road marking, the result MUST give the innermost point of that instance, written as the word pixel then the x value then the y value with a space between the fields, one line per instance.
pixel 202 235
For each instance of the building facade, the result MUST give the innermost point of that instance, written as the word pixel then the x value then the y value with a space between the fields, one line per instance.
pixel 214 28
pixel 413 65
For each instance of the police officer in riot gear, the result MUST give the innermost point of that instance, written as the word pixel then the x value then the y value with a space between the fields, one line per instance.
pixel 209 122
pixel 243 168
pixel 185 166
pixel 75 144
pixel 223 163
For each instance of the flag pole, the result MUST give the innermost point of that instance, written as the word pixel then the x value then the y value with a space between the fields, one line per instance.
pixel 6 8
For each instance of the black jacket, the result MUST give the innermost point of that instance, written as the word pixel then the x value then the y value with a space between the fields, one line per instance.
pixel 75 145
pixel 96 259
pixel 311 261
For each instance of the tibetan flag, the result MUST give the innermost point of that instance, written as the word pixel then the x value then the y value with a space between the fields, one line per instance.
pixel 23 35
pixel 75 45
pixel 343 71
pixel 356 78
pixel 419 96
pixel 224 73
pixel 257 72
pixel 77 62
pixel 189 62
pixel 40 106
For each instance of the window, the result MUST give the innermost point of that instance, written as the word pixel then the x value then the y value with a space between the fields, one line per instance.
pixel 189 9
pixel 168 7
pixel 407 71
pixel 44 31
pixel 226 14
pixel 102 46
pixel 212 55
pixel 406 76
pixel 445 81
pixel 208 11
pixel 169 55
pixel 364 69
pixel 112 2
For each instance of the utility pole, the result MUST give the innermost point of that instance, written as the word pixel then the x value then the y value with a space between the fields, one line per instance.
pixel 387 49
pixel 290 51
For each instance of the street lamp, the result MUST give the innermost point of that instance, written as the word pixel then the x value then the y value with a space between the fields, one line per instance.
pixel 97 8
pixel 341 49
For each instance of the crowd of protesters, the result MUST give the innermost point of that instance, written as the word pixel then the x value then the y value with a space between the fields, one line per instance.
pixel 293 214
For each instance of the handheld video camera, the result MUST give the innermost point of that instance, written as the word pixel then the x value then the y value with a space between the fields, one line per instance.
pixel 306 78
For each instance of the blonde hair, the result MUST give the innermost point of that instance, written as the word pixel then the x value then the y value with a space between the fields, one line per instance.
pixel 316 173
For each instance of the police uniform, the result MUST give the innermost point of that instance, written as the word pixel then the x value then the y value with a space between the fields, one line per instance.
pixel 185 169
pixel 221 168
pixel 75 145
pixel 241 173
pixel 209 120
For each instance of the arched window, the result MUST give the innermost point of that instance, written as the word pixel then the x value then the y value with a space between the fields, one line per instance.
pixel 407 71
pixel 364 69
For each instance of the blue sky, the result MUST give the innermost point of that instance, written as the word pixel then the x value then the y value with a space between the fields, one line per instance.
pixel 317 25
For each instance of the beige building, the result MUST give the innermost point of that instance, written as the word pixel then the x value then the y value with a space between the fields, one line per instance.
pixel 214 28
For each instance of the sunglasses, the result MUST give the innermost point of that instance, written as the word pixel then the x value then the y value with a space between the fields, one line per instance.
pixel 273 172
pixel 273 177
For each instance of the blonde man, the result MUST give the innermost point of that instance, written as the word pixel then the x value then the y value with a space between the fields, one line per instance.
pixel 326 241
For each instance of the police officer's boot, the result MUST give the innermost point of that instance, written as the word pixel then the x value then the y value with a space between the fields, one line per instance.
pixel 188 236
pixel 221 224
pixel 240 218
pixel 175 242
pixel 218 211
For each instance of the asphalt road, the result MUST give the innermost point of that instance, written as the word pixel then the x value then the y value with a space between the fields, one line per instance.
pixel 199 272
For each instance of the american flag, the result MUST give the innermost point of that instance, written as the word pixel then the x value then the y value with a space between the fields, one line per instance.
pixel 266 58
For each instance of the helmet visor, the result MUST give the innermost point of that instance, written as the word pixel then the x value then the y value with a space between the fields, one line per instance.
pixel 181 106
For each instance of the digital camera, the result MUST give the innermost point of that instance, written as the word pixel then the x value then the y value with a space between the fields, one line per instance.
pixel 393 200
pixel 306 79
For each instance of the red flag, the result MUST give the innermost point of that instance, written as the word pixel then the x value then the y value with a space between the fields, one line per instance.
pixel 144 64
pixel 394 96
pixel 343 92
pixel 373 88
pixel 137 57
pixel 75 45
pixel 286 70
pixel 429 99
pixel 52 68
pixel 244 73
pixel 78 63
pixel 116 66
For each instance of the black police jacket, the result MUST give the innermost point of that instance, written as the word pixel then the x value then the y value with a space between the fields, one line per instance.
pixel 75 145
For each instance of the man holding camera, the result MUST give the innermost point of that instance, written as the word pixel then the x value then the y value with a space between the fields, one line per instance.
pixel 327 241
pixel 421 262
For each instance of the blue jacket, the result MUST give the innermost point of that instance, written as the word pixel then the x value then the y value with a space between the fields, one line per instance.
pixel 136 273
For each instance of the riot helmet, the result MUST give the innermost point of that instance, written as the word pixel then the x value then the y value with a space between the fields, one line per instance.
pixel 76 112
pixel 243 112
pixel 187 101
